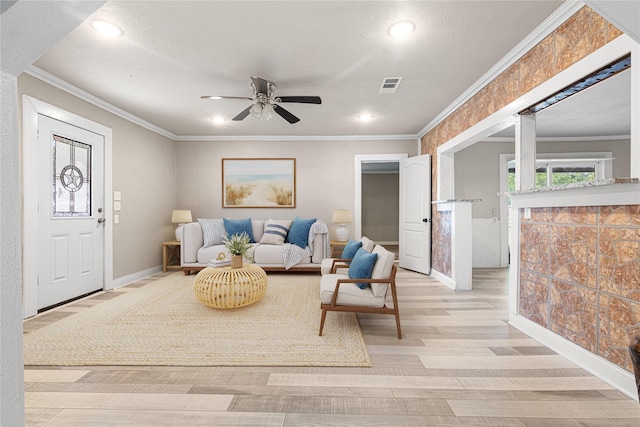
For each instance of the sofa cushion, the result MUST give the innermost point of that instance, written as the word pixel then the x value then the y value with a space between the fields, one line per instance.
pixel 299 231
pixel 237 226
pixel 361 266
pixel 257 225
pixel 350 249
pixel 275 232
pixel 213 231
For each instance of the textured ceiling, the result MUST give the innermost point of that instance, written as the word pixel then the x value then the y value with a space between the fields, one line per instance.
pixel 173 52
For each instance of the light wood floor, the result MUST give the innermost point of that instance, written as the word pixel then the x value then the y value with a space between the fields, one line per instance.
pixel 459 363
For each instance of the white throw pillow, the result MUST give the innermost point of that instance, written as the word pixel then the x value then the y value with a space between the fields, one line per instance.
pixel 213 231
pixel 275 232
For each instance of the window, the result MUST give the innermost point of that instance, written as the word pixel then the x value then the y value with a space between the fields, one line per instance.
pixel 563 171
pixel 71 187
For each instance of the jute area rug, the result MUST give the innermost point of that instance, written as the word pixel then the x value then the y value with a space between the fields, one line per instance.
pixel 162 323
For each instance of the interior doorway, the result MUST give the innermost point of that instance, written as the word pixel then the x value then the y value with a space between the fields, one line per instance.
pixel 376 164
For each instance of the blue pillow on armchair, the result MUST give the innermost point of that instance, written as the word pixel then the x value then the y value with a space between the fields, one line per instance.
pixel 299 231
pixel 361 266
pixel 350 249
pixel 237 226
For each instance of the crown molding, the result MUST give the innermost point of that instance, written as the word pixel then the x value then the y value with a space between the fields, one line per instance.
pixel 562 138
pixel 294 137
pixel 564 12
pixel 86 96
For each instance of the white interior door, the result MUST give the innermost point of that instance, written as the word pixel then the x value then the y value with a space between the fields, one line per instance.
pixel 70 211
pixel 415 213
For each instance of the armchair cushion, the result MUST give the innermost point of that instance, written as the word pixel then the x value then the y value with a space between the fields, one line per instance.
pixel 361 266
pixel 350 249
pixel 367 244
pixel 382 269
pixel 348 293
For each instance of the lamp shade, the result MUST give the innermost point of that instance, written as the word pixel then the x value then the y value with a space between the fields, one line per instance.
pixel 181 216
pixel 341 216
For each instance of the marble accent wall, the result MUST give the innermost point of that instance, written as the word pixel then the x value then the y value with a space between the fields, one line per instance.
pixel 580 276
pixel 579 36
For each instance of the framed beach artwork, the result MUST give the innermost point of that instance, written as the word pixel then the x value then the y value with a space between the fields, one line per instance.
pixel 258 183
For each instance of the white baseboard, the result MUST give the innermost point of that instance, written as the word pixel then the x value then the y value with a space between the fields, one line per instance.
pixel 130 278
pixel 608 372
pixel 445 280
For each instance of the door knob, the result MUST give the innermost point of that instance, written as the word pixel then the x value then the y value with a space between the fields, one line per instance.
pixel 101 220
pixel 426 219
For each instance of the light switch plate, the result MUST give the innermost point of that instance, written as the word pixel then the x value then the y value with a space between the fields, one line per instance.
pixel 116 206
pixel 117 195
pixel 116 219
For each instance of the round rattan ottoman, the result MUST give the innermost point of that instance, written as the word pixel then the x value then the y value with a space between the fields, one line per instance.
pixel 226 287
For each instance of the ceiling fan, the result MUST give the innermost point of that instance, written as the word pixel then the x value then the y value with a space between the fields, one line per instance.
pixel 266 103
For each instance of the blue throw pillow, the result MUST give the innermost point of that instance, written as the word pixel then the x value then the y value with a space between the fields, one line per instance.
pixel 237 226
pixel 361 266
pixel 299 231
pixel 350 249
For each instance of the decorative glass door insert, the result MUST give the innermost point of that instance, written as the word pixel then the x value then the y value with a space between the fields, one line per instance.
pixel 71 178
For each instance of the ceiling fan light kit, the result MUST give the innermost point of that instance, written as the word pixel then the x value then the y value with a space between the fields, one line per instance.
pixel 266 103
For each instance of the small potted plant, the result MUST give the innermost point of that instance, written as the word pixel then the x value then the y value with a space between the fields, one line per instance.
pixel 238 246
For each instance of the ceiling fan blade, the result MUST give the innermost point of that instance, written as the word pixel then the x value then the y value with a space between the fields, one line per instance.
pixel 261 85
pixel 301 99
pixel 285 114
pixel 224 97
pixel 244 113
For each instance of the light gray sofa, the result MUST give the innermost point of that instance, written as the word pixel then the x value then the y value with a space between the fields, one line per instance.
pixel 194 256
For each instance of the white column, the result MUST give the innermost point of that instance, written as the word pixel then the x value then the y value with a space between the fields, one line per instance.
pixel 11 368
pixel 526 152
pixel 461 245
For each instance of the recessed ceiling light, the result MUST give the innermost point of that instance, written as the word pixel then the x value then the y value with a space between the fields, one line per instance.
pixel 219 120
pixel 107 29
pixel 401 29
pixel 365 117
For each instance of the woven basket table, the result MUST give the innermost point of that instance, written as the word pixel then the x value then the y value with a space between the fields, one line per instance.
pixel 226 287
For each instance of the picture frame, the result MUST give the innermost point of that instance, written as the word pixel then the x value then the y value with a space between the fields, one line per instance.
pixel 259 183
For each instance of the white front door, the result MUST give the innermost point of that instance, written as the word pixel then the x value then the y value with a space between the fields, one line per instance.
pixel 71 211
pixel 415 214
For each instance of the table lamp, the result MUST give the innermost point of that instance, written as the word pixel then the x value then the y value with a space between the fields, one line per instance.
pixel 180 217
pixel 341 217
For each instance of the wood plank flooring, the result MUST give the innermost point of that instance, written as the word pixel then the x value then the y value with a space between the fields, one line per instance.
pixel 459 363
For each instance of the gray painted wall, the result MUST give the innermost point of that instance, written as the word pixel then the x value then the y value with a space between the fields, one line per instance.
pixel 380 197
pixel 143 171
pixel 325 177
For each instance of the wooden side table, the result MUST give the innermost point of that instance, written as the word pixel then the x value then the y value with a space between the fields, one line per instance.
pixel 171 255
pixel 336 248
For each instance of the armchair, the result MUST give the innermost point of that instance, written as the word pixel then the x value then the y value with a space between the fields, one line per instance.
pixel 340 293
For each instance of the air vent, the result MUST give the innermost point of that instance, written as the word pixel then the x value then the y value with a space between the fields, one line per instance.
pixel 390 84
